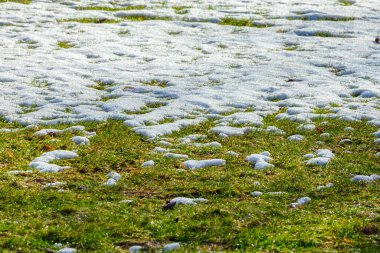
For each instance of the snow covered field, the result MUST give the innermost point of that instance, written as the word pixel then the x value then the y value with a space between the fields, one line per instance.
pixel 185 65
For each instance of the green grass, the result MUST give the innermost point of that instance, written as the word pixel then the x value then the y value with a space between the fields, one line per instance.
pixel 101 85
pixel 243 22
pixel 90 217
pixel 156 82
pixel 17 1
pixel 64 44
pixel 345 2
pixel 103 8
pixel 181 10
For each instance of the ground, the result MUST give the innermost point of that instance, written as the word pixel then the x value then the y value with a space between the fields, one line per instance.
pixel 85 214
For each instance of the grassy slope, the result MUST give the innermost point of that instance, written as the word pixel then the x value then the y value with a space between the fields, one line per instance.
pixel 89 217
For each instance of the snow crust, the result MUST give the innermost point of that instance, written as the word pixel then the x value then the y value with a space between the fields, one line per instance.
pixel 236 75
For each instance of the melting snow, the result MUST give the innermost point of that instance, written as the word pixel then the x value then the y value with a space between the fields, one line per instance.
pixel 199 164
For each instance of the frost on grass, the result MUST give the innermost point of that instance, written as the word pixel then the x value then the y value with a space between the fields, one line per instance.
pixel 199 164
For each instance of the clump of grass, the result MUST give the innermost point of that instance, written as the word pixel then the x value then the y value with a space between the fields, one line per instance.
pixel 242 22
pixel 28 108
pixel 102 85
pixel 291 47
pixel 39 83
pixel 91 20
pixel 17 1
pixel 64 44
pixel 104 8
pixel 346 2
pixel 156 82
pixel 123 32
pixel 181 10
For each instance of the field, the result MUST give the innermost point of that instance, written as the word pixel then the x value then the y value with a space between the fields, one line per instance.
pixel 192 126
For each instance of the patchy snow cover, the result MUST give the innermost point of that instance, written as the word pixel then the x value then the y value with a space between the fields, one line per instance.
pixel 199 164
pixel 232 153
pixel 363 178
pixel 160 150
pixel 202 78
pixel 42 163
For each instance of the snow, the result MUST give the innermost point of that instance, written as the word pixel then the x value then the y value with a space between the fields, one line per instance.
pixel 175 156
pixel 349 129
pixel 55 184
pixel 51 131
pixel 319 161
pixel 160 150
pixel 149 163
pixel 250 78
pixel 79 140
pixel 329 185
pixel 186 201
pixel 308 156
pixel 377 133
pixel 230 131
pixel 213 144
pixel 136 248
pixel 42 163
pixel 300 202
pixel 67 250
pixel 232 153
pixel 364 178
pixel 199 164
pixel 296 137
pixel 260 161
pixel 171 247
pixel 256 193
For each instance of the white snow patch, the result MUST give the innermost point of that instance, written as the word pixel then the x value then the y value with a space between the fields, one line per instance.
pixel 296 137
pixel 175 156
pixel 171 247
pixel 79 140
pixel 199 164
pixel 148 163
pixel 364 178
pixel 42 163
